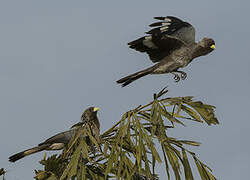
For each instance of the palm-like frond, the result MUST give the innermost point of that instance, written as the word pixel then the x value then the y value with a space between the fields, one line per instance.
pixel 128 149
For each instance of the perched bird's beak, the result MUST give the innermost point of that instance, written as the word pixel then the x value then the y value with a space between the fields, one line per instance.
pixel 96 109
pixel 213 46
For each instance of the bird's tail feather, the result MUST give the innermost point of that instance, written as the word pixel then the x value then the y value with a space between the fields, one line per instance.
pixel 27 152
pixel 129 79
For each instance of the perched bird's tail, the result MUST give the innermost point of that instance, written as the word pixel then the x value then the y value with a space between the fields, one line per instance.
pixel 129 79
pixel 27 152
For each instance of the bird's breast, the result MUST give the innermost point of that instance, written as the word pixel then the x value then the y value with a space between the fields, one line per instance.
pixel 172 63
pixel 165 66
pixel 182 57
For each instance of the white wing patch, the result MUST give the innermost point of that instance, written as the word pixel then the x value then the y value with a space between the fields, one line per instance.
pixel 167 19
pixel 147 42
pixel 56 146
pixel 166 23
pixel 164 28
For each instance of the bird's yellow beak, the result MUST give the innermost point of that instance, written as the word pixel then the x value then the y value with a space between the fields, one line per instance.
pixel 96 109
pixel 213 46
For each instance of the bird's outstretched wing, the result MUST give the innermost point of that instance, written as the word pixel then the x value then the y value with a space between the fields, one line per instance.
pixel 173 26
pixel 167 35
pixel 157 46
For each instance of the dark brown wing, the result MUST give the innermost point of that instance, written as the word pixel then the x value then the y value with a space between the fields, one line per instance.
pixel 63 137
pixel 174 26
pixel 157 46
pixel 168 34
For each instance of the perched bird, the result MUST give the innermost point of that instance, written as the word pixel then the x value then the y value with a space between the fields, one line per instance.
pixel 171 44
pixel 58 141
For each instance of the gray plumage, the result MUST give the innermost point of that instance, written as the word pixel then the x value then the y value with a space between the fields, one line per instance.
pixel 171 44
pixel 60 140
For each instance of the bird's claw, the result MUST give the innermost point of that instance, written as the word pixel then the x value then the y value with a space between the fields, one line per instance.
pixel 183 75
pixel 176 77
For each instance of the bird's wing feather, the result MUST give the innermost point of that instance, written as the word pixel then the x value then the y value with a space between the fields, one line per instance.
pixel 157 46
pixel 169 25
pixel 63 137
pixel 167 35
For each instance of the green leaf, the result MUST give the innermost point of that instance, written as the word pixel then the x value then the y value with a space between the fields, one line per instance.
pixel 92 138
pixel 85 150
pixel 202 173
pixel 52 177
pixel 192 143
pixel 69 172
pixel 106 146
pixel 170 117
pixel 165 160
pixel 155 153
pixel 186 165
pixel 110 162
pixel 146 162
pixel 173 162
pixel 74 140
pixel 84 172
pixel 205 111
pixel 75 160
pixel 211 177
pixel 120 166
pixel 191 112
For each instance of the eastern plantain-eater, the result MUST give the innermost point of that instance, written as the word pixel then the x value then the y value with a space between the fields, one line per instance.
pixel 58 141
pixel 171 44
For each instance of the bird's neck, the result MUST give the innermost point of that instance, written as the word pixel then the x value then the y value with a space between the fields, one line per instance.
pixel 197 51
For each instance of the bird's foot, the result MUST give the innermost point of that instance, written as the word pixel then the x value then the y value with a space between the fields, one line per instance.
pixel 176 77
pixel 183 75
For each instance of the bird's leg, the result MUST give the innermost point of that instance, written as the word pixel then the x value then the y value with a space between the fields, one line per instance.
pixel 183 74
pixel 176 77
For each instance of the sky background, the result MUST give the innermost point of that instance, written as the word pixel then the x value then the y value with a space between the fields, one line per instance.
pixel 59 57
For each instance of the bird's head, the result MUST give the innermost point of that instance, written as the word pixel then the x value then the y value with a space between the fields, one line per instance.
pixel 89 114
pixel 208 45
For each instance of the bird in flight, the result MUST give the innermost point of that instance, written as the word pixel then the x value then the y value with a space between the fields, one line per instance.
pixel 171 45
pixel 60 140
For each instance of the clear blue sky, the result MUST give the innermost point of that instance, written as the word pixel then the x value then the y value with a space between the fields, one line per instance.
pixel 59 57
